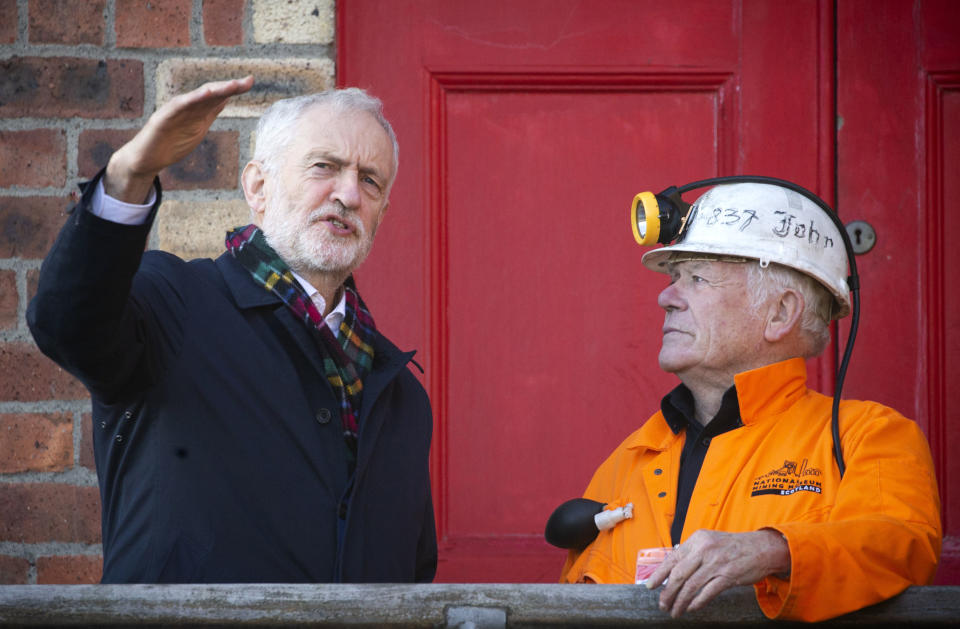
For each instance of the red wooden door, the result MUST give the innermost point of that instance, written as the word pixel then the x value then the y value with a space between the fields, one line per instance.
pixel 526 127
pixel 898 102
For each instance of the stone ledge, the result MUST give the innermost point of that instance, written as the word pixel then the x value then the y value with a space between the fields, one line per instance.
pixel 453 605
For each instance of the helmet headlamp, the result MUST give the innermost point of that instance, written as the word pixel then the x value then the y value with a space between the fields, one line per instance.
pixel 658 218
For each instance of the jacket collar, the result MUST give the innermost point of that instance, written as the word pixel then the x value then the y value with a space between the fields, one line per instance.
pixel 388 360
pixel 770 390
pixel 653 435
pixel 246 293
pixel 763 392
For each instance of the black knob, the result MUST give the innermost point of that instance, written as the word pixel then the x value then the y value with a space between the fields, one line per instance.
pixel 571 525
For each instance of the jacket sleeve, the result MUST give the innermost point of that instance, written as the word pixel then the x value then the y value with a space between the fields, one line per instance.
pixel 83 315
pixel 882 535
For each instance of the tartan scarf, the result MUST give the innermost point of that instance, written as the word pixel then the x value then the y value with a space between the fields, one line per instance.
pixel 348 356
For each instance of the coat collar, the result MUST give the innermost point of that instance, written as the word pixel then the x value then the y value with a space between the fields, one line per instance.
pixel 762 393
pixel 770 390
pixel 388 360
pixel 246 293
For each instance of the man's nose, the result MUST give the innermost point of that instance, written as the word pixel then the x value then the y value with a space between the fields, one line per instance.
pixel 347 189
pixel 669 298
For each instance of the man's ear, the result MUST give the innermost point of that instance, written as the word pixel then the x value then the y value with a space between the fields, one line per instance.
pixel 253 179
pixel 783 315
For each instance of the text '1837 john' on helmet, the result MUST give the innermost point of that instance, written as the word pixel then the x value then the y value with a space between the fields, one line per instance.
pixel 768 223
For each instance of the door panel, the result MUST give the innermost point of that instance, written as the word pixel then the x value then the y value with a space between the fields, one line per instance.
pixel 898 168
pixel 536 346
pixel 943 300
pixel 526 128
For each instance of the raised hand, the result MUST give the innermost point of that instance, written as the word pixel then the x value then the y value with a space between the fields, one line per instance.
pixel 710 562
pixel 171 133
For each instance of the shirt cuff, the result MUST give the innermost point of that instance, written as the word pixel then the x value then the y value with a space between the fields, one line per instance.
pixel 116 211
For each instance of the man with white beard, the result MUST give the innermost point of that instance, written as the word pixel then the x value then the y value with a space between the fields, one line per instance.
pixel 250 423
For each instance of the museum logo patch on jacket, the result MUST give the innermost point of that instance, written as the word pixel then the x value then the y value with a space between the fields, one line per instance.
pixel 788 480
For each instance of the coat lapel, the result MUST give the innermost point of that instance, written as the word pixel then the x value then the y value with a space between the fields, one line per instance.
pixel 249 294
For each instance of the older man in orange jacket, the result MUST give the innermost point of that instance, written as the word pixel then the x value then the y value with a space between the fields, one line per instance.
pixel 737 473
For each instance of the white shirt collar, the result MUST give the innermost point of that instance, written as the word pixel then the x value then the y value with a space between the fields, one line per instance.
pixel 335 318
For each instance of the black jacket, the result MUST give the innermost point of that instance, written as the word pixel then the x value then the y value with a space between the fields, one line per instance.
pixel 217 437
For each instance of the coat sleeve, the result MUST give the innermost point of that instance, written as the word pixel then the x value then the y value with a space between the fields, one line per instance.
pixel 84 314
pixel 882 535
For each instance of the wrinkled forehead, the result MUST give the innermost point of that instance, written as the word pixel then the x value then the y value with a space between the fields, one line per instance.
pixel 356 133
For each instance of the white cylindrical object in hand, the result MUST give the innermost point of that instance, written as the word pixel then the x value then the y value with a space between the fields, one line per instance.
pixel 608 519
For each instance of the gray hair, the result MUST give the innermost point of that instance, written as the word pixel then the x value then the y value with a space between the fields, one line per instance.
pixel 764 282
pixel 278 125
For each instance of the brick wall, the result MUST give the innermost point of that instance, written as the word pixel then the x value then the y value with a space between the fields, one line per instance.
pixel 77 79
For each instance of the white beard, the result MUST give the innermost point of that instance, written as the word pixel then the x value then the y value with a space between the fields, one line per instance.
pixel 306 245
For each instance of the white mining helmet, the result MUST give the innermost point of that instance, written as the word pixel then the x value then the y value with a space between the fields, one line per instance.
pixel 758 221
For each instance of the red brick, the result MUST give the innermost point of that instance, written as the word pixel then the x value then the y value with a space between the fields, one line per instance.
pixel 212 165
pixel 9 300
pixel 223 22
pixel 64 87
pixel 49 22
pixel 96 146
pixel 86 442
pixel 34 158
pixel 13 570
pixel 29 225
pixel 69 569
pixel 35 442
pixel 154 24
pixel 8 24
pixel 49 512
pixel 29 376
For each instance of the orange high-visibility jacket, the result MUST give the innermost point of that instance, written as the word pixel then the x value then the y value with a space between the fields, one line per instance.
pixel 853 542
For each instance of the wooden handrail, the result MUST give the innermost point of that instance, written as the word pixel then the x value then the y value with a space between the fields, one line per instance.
pixel 439 605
